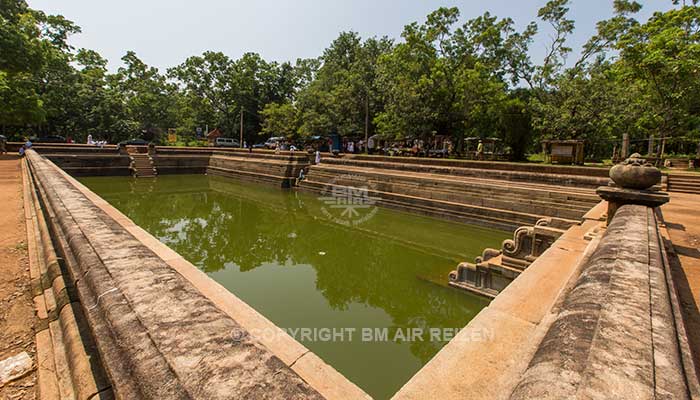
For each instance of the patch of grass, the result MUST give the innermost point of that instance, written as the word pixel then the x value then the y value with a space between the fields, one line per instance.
pixel 536 157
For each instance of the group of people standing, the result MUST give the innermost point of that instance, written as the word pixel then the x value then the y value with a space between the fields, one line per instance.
pixel 351 146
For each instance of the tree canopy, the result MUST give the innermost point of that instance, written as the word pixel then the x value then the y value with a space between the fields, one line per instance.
pixel 444 77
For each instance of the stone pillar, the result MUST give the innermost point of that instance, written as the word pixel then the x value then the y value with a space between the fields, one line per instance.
pixel 633 182
pixel 625 145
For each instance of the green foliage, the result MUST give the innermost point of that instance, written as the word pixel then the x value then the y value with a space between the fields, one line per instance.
pixel 444 77
pixel 215 89
pixel 280 120
pixel 343 97
pixel 454 81
pixel 650 88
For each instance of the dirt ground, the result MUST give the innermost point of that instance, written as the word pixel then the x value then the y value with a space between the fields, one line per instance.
pixel 17 315
pixel 682 217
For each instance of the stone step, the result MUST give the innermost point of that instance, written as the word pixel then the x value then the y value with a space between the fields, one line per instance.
pixel 462 189
pixel 468 181
pixel 688 191
pixel 476 214
pixel 690 181
pixel 504 202
pixel 466 217
pixel 573 181
pixel 142 166
pixel 685 184
pixel 470 190
pixel 684 188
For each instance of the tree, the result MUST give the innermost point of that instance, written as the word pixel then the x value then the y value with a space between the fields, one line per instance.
pixel 644 80
pixel 216 89
pixel 31 44
pixel 280 119
pixel 662 56
pixel 343 97
pixel 451 81
pixel 150 99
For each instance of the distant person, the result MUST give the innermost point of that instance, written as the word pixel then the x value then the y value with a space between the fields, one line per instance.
pixel 351 147
pixel 301 177
pixel 3 144
pixel 480 150
pixel 89 140
pixel 28 144
pixel 21 151
pixel 318 157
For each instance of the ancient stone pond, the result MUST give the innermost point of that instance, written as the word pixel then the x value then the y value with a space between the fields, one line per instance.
pixel 279 252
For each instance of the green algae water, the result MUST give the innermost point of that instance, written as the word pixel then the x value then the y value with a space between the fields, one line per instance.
pixel 370 299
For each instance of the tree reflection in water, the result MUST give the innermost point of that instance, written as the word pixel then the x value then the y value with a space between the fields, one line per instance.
pixel 389 272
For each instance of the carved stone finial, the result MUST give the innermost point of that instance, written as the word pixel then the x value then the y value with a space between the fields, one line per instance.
pixel 634 179
pixel 635 173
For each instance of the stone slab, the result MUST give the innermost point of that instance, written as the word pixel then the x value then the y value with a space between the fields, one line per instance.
pixel 475 364
pixel 15 367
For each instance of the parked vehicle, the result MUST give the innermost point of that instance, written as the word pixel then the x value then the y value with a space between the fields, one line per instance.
pixel 133 142
pixel 50 139
pixel 226 142
pixel 273 142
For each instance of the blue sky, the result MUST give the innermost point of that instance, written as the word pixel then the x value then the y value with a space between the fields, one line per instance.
pixel 164 33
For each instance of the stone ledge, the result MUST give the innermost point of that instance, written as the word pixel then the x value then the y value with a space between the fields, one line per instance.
pixel 614 335
pixel 67 362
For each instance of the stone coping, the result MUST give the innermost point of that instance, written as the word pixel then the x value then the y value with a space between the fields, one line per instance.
pixel 486 358
pixel 615 334
pixel 495 165
pixel 320 377
pixel 540 175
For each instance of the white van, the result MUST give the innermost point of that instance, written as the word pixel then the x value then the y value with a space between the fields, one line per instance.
pixel 226 142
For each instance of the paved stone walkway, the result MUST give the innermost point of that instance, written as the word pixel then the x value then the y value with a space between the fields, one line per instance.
pixel 17 317
pixel 682 217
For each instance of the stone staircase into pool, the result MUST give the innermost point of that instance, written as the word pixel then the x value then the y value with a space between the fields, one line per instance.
pixel 497 198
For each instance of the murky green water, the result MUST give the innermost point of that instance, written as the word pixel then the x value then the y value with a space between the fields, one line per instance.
pixel 282 253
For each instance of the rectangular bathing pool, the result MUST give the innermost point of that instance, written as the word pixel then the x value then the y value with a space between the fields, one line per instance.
pixel 371 299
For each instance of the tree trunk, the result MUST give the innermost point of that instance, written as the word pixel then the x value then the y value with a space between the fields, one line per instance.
pixel 366 122
pixel 240 144
pixel 662 149
pixel 625 145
